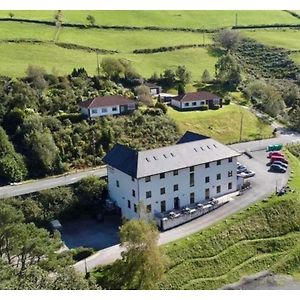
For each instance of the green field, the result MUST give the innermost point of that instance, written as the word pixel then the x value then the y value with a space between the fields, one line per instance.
pixel 296 57
pixel 123 41
pixel 19 56
pixel 192 19
pixel 222 124
pixel 289 39
pixel 265 236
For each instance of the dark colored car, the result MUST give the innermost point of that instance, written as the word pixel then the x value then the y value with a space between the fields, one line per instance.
pixel 280 163
pixel 277 168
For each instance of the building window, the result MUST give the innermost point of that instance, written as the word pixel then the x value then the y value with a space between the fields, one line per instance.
pixel 218 189
pixel 148 178
pixel 230 159
pixel 132 178
pixel 175 187
pixel 207 179
pixel 163 206
pixel 206 194
pixel 114 109
pixel 94 111
pixel 192 179
pixel 148 194
pixel 186 104
pixel 149 208
pixel 133 193
pixel 218 162
pixel 206 165
pixel 162 175
pixel 194 103
pixel 175 172
pixel 128 204
pixel 192 169
pixel 219 176
pixel 135 208
pixel 117 183
pixel 192 198
pixel 176 203
pixel 104 110
pixel 162 191
pixel 230 185
pixel 230 173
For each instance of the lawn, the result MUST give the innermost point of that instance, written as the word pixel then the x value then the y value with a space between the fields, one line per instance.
pixel 15 58
pixel 264 236
pixel 123 41
pixel 186 18
pixel 289 39
pixel 296 57
pixel 223 124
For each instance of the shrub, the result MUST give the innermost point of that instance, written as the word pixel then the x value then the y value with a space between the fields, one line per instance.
pixel 215 106
pixel 162 106
pixel 81 253
pixel 226 101
pixel 203 107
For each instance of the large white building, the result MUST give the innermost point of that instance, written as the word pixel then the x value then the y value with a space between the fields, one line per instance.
pixel 194 170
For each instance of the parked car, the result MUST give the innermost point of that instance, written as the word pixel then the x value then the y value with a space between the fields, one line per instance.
pixel 277 168
pixel 275 147
pixel 278 158
pixel 276 153
pixel 247 174
pixel 280 163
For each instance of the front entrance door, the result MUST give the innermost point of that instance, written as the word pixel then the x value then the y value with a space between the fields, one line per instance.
pixel 176 203
pixel 206 194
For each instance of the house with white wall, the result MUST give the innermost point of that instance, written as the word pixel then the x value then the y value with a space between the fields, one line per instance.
pixel 107 106
pixel 196 169
pixel 154 89
pixel 195 100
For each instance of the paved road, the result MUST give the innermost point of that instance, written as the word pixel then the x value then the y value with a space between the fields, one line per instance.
pixel 263 184
pixel 47 183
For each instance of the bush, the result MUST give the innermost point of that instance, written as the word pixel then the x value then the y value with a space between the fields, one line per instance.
pixel 226 101
pixel 162 106
pixel 153 112
pixel 81 253
pixel 203 107
pixel 73 117
pixel 215 106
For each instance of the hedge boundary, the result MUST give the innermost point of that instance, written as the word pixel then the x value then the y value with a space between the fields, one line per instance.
pixel 60 44
pixel 155 28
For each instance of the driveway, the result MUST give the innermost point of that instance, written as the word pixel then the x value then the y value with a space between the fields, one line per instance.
pixel 263 183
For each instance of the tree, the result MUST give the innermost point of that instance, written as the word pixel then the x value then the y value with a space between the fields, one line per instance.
pixel 35 75
pixel 12 165
pixel 143 94
pixel 183 75
pixel 205 78
pixel 112 67
pixel 228 70
pixel 143 262
pixel 91 20
pixel 181 89
pixel 89 191
pixel 11 15
pixel 168 78
pixel 294 118
pixel 228 39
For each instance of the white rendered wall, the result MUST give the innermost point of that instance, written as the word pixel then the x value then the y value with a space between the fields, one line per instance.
pixel 108 113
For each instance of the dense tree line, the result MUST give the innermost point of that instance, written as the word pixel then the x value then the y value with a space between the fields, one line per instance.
pixel 43 132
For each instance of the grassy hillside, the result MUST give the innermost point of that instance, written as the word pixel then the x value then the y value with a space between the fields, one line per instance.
pixel 223 124
pixel 289 39
pixel 192 19
pixel 264 236
pixel 123 41
pixel 296 57
pixel 19 56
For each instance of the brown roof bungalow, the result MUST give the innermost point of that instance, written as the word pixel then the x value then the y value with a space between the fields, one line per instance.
pixel 196 100
pixel 107 105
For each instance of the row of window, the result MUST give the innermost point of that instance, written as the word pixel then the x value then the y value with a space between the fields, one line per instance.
pixel 177 200
pixel 193 103
pixel 175 172
pixel 103 110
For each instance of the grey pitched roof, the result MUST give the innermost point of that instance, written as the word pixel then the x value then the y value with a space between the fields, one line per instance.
pixel 191 137
pixel 185 154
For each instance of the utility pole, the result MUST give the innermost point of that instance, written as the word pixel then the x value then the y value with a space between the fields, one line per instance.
pixel 241 126
pixel 203 34
pixel 236 19
pixel 98 68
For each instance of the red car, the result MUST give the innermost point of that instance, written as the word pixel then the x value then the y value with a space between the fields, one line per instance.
pixel 280 158
pixel 275 153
